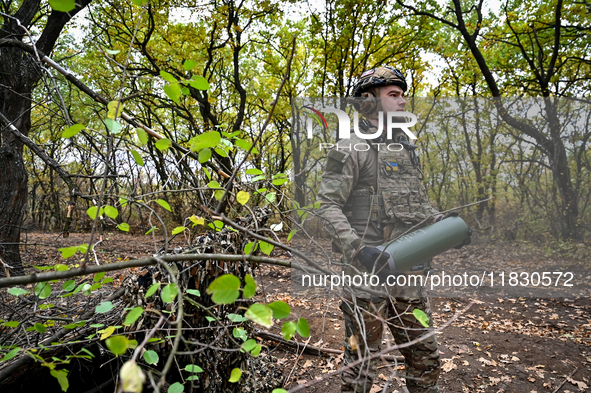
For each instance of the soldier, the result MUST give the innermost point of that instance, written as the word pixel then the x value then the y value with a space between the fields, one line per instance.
pixel 368 197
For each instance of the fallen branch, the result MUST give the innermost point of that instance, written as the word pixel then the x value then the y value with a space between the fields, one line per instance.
pixel 311 349
pixel 41 277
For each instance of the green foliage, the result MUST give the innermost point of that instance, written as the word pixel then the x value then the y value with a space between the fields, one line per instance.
pixel 280 309
pixel 421 317
pixel 235 375
pixel 117 344
pixel 260 313
pixel 224 289
pixel 151 357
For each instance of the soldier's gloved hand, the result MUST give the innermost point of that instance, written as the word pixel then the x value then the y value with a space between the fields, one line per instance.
pixel 368 257
pixel 444 216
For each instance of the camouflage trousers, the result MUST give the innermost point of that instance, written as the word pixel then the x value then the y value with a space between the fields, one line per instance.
pixel 363 330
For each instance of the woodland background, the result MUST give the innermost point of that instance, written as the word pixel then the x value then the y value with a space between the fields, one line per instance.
pixel 216 79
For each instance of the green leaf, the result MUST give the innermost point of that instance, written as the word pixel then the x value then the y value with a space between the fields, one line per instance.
pixel 270 197
pixel 114 109
pixel 421 317
pixel 43 290
pixel 168 77
pixel 164 204
pixel 206 140
pixel 239 333
pixel 235 375
pixel 67 252
pixel 176 387
pixel 62 5
pixel 123 227
pixel 254 171
pixel 249 248
pixel 288 330
pixel 104 307
pixel 204 155
pixel 237 318
pixel 142 135
pixel 40 327
pixel 117 344
pixel 213 184
pixel 178 230
pixel 163 144
pixel 280 309
pixel 99 276
pixel 256 350
pixel 11 324
pixel 173 91
pixel 266 247
pixel 111 51
pixel 224 289
pixel 250 287
pixel 151 357
pixel 15 291
pixel 249 345
pixel 111 211
pixel 140 3
pixel 152 290
pixel 133 315
pixel 260 313
pixel 93 210
pixel 73 130
pixel 279 391
pixel 278 182
pixel 69 285
pixel 242 197
pixel 188 65
pixel 198 82
pixel 293 232
pixel 113 126
pixel 303 328
pixel 169 292
pixel 137 158
pixel 13 352
pixel 193 368
pixel 241 143
pixel 150 230
pixel 194 292
pixel 210 319
pixel 62 378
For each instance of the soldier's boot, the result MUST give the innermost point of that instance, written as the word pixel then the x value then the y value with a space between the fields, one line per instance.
pixel 363 336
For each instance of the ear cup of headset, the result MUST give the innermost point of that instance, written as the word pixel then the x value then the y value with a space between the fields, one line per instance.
pixel 368 103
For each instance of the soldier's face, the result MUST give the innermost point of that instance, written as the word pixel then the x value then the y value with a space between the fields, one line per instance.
pixel 392 98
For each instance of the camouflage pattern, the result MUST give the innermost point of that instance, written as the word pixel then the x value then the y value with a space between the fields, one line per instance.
pixel 363 330
pixel 404 196
pixel 365 201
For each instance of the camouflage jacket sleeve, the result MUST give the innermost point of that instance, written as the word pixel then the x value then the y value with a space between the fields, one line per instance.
pixel 339 178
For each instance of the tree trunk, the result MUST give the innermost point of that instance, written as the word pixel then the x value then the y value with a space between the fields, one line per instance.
pixel 15 104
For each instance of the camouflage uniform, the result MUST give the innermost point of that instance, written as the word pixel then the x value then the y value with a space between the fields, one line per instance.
pixel 347 194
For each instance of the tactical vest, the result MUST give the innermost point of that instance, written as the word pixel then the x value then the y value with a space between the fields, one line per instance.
pixel 400 196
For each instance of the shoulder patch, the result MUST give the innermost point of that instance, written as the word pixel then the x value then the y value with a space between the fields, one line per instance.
pixel 336 160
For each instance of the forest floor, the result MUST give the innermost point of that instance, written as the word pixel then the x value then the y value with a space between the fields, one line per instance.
pixel 502 343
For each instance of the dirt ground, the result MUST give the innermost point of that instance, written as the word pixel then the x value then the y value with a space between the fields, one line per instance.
pixel 500 344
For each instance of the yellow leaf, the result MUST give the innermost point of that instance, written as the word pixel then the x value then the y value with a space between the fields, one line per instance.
pixel 107 332
pixel 115 108
pixel 242 197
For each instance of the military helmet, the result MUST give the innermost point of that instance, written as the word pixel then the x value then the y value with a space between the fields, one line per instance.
pixel 378 77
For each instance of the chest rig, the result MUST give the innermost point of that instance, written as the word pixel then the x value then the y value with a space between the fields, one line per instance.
pixel 400 198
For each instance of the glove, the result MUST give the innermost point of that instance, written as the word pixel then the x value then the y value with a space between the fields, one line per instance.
pixel 368 257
